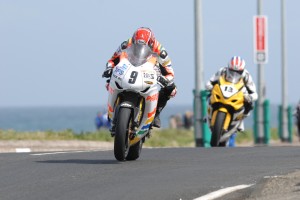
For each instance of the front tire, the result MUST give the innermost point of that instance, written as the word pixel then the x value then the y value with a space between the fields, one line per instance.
pixel 121 143
pixel 218 129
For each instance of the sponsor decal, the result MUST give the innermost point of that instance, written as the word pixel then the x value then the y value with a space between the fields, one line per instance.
pixel 149 82
pixel 126 105
pixel 120 70
pixel 148 75
pixel 123 67
pixel 152 98
pixel 116 77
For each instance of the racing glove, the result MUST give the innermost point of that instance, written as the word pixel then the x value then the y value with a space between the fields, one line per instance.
pixel 209 86
pixel 173 93
pixel 162 81
pixel 248 98
pixel 108 71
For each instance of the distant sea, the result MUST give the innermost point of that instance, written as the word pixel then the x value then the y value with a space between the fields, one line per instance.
pixel 81 119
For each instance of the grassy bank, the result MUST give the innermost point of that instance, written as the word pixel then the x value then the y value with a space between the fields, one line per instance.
pixel 159 137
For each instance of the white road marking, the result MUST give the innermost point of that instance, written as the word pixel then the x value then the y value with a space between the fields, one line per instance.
pixel 222 192
pixel 273 176
pixel 23 150
pixel 62 152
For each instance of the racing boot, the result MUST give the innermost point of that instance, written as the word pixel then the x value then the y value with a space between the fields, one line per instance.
pixel 241 127
pixel 162 102
pixel 164 96
pixel 156 121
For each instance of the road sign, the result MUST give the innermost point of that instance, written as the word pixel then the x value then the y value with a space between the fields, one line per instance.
pixel 260 23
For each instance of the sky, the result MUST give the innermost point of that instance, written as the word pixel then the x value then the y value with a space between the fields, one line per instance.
pixel 53 52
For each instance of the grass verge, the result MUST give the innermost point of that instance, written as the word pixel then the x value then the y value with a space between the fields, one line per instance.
pixel 159 137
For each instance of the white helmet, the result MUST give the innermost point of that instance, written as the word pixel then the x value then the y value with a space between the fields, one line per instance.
pixel 235 69
pixel 237 64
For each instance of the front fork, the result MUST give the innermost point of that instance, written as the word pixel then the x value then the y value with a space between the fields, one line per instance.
pixel 135 103
pixel 227 118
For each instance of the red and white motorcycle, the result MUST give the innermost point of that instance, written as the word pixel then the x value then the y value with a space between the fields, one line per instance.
pixel 132 101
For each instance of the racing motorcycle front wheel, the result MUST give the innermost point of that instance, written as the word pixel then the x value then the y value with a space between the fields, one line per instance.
pixel 218 130
pixel 121 143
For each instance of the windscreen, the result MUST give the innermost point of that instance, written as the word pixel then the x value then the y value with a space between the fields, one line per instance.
pixel 138 54
pixel 233 76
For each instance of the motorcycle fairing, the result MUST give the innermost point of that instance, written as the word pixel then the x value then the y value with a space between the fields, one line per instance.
pixel 143 129
pixel 228 98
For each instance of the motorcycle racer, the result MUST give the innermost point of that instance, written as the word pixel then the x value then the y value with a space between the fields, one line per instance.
pixel 145 36
pixel 237 65
pixel 297 116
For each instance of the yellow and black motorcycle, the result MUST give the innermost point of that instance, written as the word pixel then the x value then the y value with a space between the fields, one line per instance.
pixel 226 107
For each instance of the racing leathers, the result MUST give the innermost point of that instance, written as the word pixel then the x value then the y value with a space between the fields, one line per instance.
pixel 250 96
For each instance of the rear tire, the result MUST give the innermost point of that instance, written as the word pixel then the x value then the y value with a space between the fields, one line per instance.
pixel 218 129
pixel 135 151
pixel 121 142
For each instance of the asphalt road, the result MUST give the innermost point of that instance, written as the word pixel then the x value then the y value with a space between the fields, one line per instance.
pixel 162 174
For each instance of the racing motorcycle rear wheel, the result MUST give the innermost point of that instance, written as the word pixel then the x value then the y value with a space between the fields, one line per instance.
pixel 218 129
pixel 135 151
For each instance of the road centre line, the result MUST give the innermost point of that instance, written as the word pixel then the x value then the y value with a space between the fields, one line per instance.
pixel 222 192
